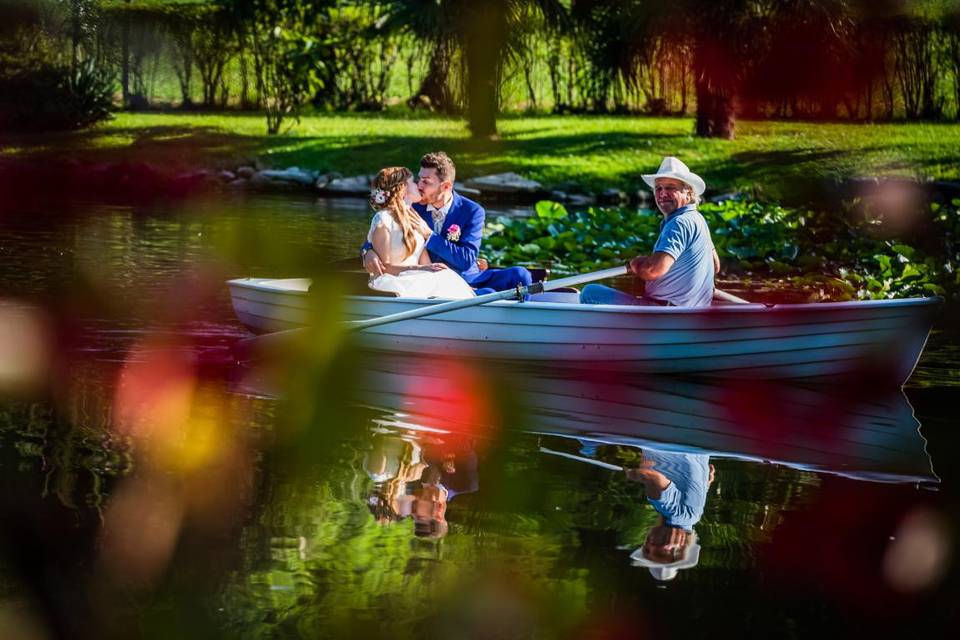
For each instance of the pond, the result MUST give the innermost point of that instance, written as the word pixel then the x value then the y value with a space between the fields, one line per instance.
pixel 152 487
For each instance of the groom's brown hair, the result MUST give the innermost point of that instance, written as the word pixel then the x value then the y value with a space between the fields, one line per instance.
pixel 440 161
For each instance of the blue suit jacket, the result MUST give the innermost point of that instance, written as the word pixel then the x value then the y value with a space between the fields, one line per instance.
pixel 461 256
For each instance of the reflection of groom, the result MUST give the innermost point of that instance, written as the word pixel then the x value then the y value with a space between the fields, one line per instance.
pixel 457 230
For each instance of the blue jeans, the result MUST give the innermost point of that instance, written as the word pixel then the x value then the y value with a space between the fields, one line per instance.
pixel 600 294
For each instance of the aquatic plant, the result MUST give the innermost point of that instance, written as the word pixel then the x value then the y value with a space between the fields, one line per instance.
pixel 829 255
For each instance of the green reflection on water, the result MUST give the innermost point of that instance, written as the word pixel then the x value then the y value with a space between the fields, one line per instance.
pixel 312 560
pixel 536 548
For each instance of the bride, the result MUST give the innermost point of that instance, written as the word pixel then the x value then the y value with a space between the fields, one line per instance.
pixel 398 235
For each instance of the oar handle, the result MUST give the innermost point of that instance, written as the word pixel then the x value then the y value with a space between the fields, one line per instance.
pixel 572 281
pixel 519 293
pixel 598 463
pixel 434 309
pixel 729 297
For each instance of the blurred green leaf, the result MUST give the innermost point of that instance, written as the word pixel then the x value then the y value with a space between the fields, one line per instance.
pixel 549 210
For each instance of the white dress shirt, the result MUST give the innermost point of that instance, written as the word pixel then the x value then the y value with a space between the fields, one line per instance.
pixel 439 215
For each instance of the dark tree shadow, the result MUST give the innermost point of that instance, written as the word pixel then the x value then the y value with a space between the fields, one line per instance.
pixel 796 176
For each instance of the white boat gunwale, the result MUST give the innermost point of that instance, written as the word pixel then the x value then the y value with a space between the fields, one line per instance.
pixel 263 284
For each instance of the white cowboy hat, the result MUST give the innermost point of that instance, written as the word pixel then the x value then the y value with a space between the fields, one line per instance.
pixel 667 571
pixel 672 168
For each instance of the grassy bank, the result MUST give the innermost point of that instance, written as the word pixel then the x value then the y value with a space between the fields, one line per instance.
pixel 779 159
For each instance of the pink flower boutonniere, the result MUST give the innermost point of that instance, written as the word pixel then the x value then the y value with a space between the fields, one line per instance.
pixel 453 233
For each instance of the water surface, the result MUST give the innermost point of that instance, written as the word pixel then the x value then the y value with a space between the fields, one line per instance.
pixel 153 487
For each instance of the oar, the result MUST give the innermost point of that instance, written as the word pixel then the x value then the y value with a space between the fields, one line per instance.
pixel 729 297
pixel 599 463
pixel 453 305
pixel 286 337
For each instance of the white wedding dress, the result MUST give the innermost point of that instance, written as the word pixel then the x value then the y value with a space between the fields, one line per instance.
pixel 414 283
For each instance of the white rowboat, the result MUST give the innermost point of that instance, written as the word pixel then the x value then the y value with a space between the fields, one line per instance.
pixel 879 339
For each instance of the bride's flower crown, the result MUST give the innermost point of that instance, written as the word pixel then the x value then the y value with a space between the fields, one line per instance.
pixel 379 196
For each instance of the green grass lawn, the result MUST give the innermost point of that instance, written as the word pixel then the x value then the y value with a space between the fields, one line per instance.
pixel 781 160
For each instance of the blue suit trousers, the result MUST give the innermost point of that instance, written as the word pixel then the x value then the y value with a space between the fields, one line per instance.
pixel 500 279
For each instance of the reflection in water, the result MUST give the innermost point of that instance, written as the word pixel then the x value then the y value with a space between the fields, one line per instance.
pixel 676 485
pixel 143 490
pixel 812 429
pixel 416 475
pixel 454 491
pixel 663 432
pixel 675 426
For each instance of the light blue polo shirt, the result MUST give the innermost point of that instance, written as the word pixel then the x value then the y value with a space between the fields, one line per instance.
pixel 681 504
pixel 689 282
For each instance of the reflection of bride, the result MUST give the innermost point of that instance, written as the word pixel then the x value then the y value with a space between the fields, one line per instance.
pixel 398 235
pixel 393 463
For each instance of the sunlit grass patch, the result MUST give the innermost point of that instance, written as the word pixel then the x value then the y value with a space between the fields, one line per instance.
pixel 596 152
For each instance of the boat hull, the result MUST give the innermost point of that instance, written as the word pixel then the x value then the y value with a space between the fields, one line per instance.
pixel 880 340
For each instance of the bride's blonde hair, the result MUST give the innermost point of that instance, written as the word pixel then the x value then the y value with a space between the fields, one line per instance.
pixel 389 190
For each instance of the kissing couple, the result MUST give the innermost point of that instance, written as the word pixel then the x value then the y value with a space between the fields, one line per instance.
pixel 424 239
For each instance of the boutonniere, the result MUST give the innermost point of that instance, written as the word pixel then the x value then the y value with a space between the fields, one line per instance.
pixel 453 233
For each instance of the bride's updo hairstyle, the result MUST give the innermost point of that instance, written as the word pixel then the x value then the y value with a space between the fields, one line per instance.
pixel 389 190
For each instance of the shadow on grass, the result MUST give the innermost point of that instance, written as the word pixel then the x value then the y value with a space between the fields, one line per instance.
pixel 186 145
pixel 589 158
pixel 797 176
pixel 173 146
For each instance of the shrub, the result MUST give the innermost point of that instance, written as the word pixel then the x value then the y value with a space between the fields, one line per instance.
pixel 47 98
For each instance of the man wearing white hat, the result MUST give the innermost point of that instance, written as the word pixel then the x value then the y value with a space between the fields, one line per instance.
pixel 680 271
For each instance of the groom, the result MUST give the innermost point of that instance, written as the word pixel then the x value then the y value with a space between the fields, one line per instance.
pixel 457 230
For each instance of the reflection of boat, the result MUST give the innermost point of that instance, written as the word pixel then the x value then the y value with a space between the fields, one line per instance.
pixel 882 337
pixel 812 429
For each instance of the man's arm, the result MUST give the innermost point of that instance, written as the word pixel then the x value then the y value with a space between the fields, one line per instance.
pixel 371 260
pixel 671 243
pixel 654 482
pixel 463 253
pixel 652 267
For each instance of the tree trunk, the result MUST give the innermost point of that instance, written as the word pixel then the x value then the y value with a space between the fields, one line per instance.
pixel 715 113
pixel 434 90
pixel 956 76
pixel 888 95
pixel 527 76
pixel 245 102
pixel 224 92
pixel 683 87
pixel 183 65
pixel 852 105
pixel 484 44
pixel 716 97
pixel 76 22
pixel 553 67
pixel 411 59
pixel 827 108
pixel 662 71
pixel 481 91
pixel 125 60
